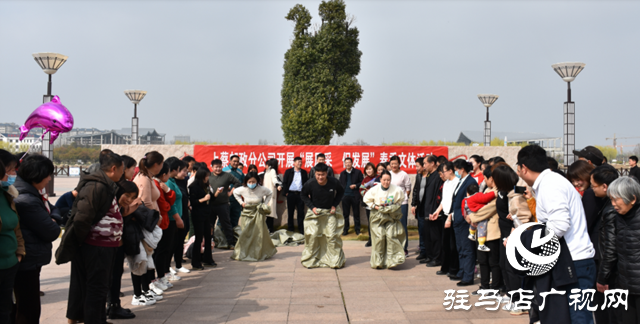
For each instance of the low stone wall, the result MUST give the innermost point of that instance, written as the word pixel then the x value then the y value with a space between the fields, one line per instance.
pixel 509 153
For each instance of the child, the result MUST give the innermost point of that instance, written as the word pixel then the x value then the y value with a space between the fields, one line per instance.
pixel 474 202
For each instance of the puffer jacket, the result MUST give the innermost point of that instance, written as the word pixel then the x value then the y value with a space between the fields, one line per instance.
pixel 608 267
pixel 628 250
pixel 96 192
pixel 37 225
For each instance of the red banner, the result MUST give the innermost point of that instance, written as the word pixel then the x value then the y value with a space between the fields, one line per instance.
pixel 361 155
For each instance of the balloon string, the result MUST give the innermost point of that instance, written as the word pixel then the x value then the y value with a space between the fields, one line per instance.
pixel 39 140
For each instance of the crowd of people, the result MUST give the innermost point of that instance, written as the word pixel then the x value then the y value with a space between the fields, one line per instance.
pixel 142 211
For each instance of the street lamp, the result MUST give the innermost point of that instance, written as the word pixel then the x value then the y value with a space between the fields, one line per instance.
pixel 568 71
pixel 135 96
pixel 487 100
pixel 50 63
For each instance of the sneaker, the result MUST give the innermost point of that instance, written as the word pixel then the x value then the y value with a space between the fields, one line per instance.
pixel 518 312
pixel 472 237
pixel 155 289
pixel 152 294
pixel 172 270
pixel 184 270
pixel 507 307
pixel 142 301
pixel 172 277
pixel 166 282
pixel 157 283
pixel 483 248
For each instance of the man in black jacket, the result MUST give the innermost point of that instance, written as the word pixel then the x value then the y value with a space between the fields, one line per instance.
pixel 90 264
pixel 294 179
pixel 417 204
pixel 634 171
pixel 350 179
pixel 433 228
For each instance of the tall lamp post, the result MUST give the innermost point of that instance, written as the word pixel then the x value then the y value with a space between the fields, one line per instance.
pixel 135 96
pixel 50 63
pixel 487 100
pixel 568 71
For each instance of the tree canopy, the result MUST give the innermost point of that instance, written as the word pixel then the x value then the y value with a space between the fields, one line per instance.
pixel 320 87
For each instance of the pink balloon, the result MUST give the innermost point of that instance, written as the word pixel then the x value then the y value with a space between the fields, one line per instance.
pixel 52 116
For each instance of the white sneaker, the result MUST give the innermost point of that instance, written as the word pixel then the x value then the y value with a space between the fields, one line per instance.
pixel 172 270
pixel 166 282
pixel 142 301
pixel 184 270
pixel 483 248
pixel 153 295
pixel 157 284
pixel 172 277
pixel 472 237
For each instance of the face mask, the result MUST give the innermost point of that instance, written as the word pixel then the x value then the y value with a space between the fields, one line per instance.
pixel 10 181
pixel 252 185
pixel 458 175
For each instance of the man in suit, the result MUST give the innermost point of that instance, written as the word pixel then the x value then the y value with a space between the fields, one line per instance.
pixel 294 179
pixel 350 179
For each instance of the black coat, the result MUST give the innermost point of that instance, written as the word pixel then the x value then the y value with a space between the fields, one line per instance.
pixel 433 194
pixel 96 192
pixel 608 266
pixel 38 228
pixel 142 218
pixel 628 250
pixel 356 179
pixel 592 206
pixel 288 179
pixel 635 172
pixel 415 196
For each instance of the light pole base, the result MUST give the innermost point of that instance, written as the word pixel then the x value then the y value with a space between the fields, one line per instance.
pixel 487 133
pixel 47 151
pixel 569 138
pixel 134 131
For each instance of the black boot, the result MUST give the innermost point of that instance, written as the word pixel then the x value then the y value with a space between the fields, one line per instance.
pixel 117 312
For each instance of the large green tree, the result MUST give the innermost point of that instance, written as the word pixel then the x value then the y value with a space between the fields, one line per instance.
pixel 320 87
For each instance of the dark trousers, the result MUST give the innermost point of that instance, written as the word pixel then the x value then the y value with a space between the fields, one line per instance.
pixel 586 273
pixel 348 203
pixel 178 243
pixel 140 284
pixel 490 272
pixel 7 279
pixel 269 221
pixel 510 278
pixel 368 211
pixel 164 250
pixel 466 251
pixel 632 314
pixel 116 276
pixel 450 261
pixel 202 231
pixel 235 209
pixel 433 238
pixel 27 292
pixel 421 230
pixel 295 204
pixel 89 283
pixel 221 212
pixel 403 220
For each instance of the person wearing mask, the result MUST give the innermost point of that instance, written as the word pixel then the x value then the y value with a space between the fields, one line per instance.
pixel 254 168
pixel 181 233
pixel 39 229
pixel 294 179
pixel 234 206
pixel 176 224
pixel 272 182
pixel 634 171
pixel 12 249
pixel 91 238
pixel 449 256
pixel 417 205
pixel 323 223
pixel 320 158
pixel 624 193
pixel 606 257
pixel 432 235
pixel 367 183
pixel 222 184
pixel 591 155
pixel 559 205
pixel 401 179
pixel 254 244
pixel 466 248
pixel 199 197
pixel 350 179
pixel 388 238
pixel 476 172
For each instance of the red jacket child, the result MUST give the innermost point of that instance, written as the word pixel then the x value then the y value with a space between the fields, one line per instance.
pixel 164 204
pixel 477 201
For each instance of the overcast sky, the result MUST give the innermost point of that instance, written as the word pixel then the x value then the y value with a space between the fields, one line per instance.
pixel 213 69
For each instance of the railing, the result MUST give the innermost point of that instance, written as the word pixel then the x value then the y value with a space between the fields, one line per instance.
pixel 63 170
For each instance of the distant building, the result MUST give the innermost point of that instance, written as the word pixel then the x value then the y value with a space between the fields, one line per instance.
pixel 553 145
pixel 182 139
pixel 10 133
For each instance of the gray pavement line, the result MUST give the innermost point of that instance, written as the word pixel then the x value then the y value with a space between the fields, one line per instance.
pixel 342 294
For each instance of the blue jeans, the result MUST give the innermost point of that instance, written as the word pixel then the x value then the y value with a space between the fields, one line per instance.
pixel 403 220
pixel 466 251
pixel 421 222
pixel 586 273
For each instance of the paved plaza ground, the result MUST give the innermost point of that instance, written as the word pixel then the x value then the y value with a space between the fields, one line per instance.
pixel 280 290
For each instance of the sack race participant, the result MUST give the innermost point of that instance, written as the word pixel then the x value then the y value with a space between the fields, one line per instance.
pixel 254 243
pixel 323 224
pixel 387 232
